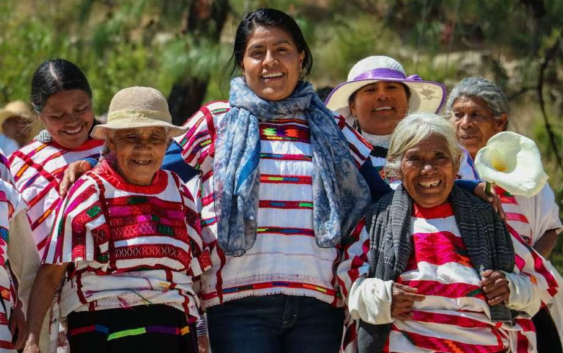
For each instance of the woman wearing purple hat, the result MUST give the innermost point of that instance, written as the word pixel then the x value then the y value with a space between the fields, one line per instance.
pixel 378 95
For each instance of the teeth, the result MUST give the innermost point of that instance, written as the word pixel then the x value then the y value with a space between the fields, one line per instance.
pixel 73 131
pixel 276 74
pixel 383 108
pixel 430 185
pixel 141 162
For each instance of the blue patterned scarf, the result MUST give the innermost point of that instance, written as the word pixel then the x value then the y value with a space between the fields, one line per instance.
pixel 340 194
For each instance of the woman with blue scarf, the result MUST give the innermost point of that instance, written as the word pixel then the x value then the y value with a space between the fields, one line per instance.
pixel 280 189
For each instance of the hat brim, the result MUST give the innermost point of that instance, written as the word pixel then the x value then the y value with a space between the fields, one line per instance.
pixel 7 114
pixel 100 131
pixel 425 96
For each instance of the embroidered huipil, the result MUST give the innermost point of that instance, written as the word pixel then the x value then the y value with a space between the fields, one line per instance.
pixel 11 204
pixel 454 316
pixel 285 258
pixel 130 245
pixel 38 169
pixel 528 219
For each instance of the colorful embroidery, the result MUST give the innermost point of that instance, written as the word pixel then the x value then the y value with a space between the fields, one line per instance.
pixel 274 132
pixel 287 157
pixel 286 231
pixel 131 332
pixel 286 204
pixel 285 179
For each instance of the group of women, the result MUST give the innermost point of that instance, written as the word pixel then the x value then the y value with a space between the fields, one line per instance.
pixel 295 225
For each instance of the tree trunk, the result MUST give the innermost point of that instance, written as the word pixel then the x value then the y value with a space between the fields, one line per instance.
pixel 205 19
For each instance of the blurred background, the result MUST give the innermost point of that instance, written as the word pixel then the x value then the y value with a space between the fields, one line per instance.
pixel 181 47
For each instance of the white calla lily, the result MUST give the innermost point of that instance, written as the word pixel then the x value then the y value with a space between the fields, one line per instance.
pixel 513 162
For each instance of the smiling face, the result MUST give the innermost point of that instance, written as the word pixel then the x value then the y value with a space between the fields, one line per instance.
pixel 139 153
pixel 68 117
pixel 380 106
pixel 475 123
pixel 272 63
pixel 428 171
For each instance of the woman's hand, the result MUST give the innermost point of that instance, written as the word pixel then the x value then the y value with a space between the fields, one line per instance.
pixel 17 322
pixel 31 347
pixel 72 173
pixel 493 199
pixel 203 344
pixel 495 286
pixel 403 300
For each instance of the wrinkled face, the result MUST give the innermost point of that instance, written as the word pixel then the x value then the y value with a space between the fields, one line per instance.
pixel 272 63
pixel 68 117
pixel 380 106
pixel 139 153
pixel 18 129
pixel 428 172
pixel 475 123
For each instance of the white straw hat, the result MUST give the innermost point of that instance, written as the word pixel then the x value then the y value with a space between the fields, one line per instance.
pixel 425 96
pixel 137 107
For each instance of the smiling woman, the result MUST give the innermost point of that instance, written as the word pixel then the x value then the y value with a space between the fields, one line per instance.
pixel 62 99
pixel 280 190
pixel 126 242
pixel 432 266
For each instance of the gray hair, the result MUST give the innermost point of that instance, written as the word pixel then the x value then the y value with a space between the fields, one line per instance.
pixel 414 129
pixel 481 88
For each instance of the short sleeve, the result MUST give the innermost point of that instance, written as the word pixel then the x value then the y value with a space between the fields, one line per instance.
pixel 198 143
pixel 542 212
pixel 79 232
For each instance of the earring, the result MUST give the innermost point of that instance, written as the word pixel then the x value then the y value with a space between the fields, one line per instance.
pixel 356 125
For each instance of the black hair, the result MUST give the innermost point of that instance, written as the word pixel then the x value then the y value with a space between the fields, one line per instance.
pixel 267 18
pixel 53 76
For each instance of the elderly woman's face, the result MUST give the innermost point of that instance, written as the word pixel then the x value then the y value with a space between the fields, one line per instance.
pixel 380 106
pixel 475 123
pixel 428 171
pixel 272 63
pixel 139 153
pixel 68 117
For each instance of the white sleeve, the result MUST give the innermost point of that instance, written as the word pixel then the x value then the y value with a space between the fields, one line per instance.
pixel 370 299
pixel 524 295
pixel 547 213
pixel 23 255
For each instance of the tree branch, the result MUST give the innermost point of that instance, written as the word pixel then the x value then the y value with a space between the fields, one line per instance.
pixel 550 54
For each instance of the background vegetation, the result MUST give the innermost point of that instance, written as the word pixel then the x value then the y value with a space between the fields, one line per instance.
pixel 181 47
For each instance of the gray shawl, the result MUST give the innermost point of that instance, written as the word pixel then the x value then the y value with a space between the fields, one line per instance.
pixel 488 243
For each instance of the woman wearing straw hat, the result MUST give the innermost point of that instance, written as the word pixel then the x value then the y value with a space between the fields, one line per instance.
pixel 18 122
pixel 126 241
pixel 378 95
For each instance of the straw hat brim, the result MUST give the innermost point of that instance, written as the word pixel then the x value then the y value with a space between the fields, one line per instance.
pixel 135 122
pixel 7 114
pixel 426 96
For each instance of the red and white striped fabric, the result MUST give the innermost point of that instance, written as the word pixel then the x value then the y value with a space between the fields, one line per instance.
pixel 130 245
pixel 529 260
pixel 38 169
pixel 11 204
pixel 454 317
pixel 285 258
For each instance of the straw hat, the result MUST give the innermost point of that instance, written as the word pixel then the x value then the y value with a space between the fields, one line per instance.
pixel 15 109
pixel 425 96
pixel 137 107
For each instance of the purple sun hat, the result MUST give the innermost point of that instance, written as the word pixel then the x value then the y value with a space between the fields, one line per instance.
pixel 425 96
